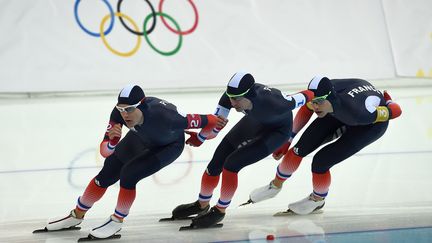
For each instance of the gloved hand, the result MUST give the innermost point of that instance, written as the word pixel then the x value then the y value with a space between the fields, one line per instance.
pixel 193 139
pixel 215 122
pixel 212 133
pixel 282 150
pixel 387 97
pixel 112 143
pixel 394 108
pixel 114 134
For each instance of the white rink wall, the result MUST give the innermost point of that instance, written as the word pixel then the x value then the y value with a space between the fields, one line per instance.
pixel 280 41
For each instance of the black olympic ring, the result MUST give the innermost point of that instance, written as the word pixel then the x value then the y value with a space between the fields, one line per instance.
pixel 153 13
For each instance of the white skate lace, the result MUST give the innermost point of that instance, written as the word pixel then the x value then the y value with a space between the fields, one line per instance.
pixel 272 186
pixel 315 198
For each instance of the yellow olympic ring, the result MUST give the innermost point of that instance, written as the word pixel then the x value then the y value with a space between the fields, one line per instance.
pixel 102 35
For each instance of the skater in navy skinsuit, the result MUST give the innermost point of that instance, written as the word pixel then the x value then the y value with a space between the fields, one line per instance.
pixel 351 110
pixel 267 125
pixel 155 140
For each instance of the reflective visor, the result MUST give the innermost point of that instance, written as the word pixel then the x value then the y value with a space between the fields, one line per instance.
pixel 129 108
pixel 237 95
pixel 320 99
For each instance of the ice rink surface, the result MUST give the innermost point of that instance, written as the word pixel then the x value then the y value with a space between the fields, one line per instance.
pixel 49 149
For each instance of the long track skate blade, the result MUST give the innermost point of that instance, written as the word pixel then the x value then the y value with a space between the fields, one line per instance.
pixel 289 212
pixel 193 227
pixel 92 238
pixel 246 203
pixel 45 230
pixel 174 219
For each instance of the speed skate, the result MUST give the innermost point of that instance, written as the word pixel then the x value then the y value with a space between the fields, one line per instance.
pixel 195 227
pixel 174 219
pixel 45 230
pixel 92 238
pixel 67 223
pixel 108 230
pixel 289 212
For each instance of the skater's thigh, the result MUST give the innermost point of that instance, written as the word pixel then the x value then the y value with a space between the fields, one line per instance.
pixel 247 128
pixel 110 172
pixel 255 150
pixel 149 163
pixel 316 134
pixel 129 147
pixel 244 131
pixel 352 140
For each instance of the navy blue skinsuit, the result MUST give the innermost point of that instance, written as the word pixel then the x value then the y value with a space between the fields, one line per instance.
pixel 262 130
pixel 146 148
pixel 352 121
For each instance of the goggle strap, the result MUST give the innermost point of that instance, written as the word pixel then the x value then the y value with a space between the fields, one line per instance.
pixel 125 109
pixel 237 95
pixel 323 97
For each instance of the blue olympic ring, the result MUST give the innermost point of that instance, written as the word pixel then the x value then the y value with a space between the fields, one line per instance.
pixel 88 31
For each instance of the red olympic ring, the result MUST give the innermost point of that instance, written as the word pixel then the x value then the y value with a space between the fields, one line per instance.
pixel 175 31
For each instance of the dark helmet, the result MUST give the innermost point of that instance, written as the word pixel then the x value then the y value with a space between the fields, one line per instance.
pixel 324 90
pixel 239 84
pixel 321 86
pixel 130 95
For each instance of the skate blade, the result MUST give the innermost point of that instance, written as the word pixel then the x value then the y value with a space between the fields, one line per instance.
pixel 174 219
pixel 45 230
pixel 92 238
pixel 289 212
pixel 246 203
pixel 193 227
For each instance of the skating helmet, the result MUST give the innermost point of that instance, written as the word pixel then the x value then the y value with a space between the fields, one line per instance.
pixel 130 95
pixel 240 84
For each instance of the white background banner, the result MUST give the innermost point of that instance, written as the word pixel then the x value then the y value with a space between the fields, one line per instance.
pixel 279 41
pixel 410 28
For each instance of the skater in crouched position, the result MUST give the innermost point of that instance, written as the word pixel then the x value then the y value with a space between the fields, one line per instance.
pixel 349 110
pixel 155 139
pixel 265 127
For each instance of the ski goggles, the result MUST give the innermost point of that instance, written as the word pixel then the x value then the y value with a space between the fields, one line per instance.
pixel 237 96
pixel 320 99
pixel 129 108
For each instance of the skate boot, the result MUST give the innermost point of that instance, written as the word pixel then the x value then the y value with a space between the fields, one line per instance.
pixel 185 210
pixel 264 193
pixel 209 219
pixel 108 229
pixel 307 205
pixel 62 223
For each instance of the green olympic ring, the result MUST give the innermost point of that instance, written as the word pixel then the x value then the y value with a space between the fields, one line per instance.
pixel 180 41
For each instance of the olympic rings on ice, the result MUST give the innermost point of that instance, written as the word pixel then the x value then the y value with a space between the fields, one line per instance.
pixel 135 29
